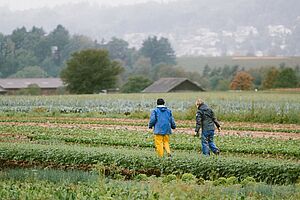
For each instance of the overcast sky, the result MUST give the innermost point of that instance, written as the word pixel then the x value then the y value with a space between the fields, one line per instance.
pixel 27 4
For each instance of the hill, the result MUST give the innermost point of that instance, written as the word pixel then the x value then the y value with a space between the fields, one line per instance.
pixel 206 27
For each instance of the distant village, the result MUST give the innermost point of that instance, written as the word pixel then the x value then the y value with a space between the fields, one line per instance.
pixel 205 42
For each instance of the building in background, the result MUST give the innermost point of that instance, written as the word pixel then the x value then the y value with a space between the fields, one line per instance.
pixel 47 86
pixel 173 85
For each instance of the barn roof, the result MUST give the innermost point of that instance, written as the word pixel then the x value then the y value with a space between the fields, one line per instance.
pixel 2 90
pixel 167 84
pixel 19 83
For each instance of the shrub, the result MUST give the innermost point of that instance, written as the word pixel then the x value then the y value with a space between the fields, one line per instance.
pixel 40 110
pixel 169 178
pixel 220 181
pixel 188 178
pixel 119 177
pixel 141 177
pixel 231 180
pixel 200 181
pixel 248 181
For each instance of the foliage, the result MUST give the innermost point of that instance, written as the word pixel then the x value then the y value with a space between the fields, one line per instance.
pixel 188 178
pixel 115 189
pixel 169 178
pixel 268 171
pixel 231 180
pixel 270 78
pixel 158 50
pixel 30 72
pixel 248 180
pixel 270 107
pixel 220 181
pixel 242 81
pixel 141 177
pixel 90 71
pixel 135 84
pixel 32 89
pixel 286 78
pixel 156 58
pixel 245 145
pixel 119 50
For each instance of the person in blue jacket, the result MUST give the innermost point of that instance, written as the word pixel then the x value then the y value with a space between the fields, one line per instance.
pixel 162 120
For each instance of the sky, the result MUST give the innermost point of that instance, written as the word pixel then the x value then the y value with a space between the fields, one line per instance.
pixel 29 4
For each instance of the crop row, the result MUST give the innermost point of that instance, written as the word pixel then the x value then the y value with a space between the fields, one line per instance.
pixel 139 159
pixel 109 121
pixel 57 184
pixel 232 144
pixel 239 107
pixel 119 190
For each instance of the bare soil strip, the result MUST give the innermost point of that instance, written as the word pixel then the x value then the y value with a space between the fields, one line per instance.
pixel 259 134
pixel 190 123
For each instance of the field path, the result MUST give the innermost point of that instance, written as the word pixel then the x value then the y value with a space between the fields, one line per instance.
pixel 141 125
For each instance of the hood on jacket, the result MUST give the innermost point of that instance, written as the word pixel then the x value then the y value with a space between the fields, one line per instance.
pixel 203 107
pixel 162 108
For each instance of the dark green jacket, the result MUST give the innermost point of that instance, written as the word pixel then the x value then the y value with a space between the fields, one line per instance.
pixel 205 119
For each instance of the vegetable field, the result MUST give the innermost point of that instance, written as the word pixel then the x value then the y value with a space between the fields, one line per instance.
pixel 99 147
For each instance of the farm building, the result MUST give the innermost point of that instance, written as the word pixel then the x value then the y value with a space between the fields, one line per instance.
pixel 47 85
pixel 173 85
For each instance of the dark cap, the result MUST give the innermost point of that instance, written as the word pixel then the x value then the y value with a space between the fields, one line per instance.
pixel 160 101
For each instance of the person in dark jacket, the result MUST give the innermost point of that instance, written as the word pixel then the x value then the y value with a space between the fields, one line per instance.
pixel 163 122
pixel 206 121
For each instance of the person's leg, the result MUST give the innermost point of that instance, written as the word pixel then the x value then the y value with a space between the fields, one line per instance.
pixel 166 139
pixel 158 140
pixel 211 143
pixel 204 143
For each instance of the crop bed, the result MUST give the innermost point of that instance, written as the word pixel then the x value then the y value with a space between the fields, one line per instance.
pixel 264 149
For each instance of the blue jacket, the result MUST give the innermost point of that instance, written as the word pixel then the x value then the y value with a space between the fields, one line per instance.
pixel 162 120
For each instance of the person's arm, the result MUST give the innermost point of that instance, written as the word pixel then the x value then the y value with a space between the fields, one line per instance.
pixel 173 124
pixel 198 121
pixel 216 121
pixel 152 119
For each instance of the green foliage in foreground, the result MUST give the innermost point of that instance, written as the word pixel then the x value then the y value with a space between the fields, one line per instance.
pixel 139 160
pixel 37 185
pixel 232 144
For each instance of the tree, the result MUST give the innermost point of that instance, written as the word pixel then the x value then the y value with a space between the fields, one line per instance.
pixel 32 89
pixel 206 71
pixel 270 78
pixel 119 49
pixel 286 79
pixel 58 39
pixel 77 43
pixel 142 66
pixel 136 84
pixel 242 81
pixel 30 72
pixel 90 71
pixel 223 85
pixel 158 50
pixel 164 70
pixel 18 37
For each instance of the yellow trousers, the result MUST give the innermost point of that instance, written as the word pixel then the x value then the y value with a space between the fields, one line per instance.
pixel 161 143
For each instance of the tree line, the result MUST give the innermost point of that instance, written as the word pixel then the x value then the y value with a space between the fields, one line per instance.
pixel 89 66
pixel 262 77
pixel 33 53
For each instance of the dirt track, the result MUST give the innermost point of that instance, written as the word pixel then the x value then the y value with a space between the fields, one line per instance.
pixel 260 134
